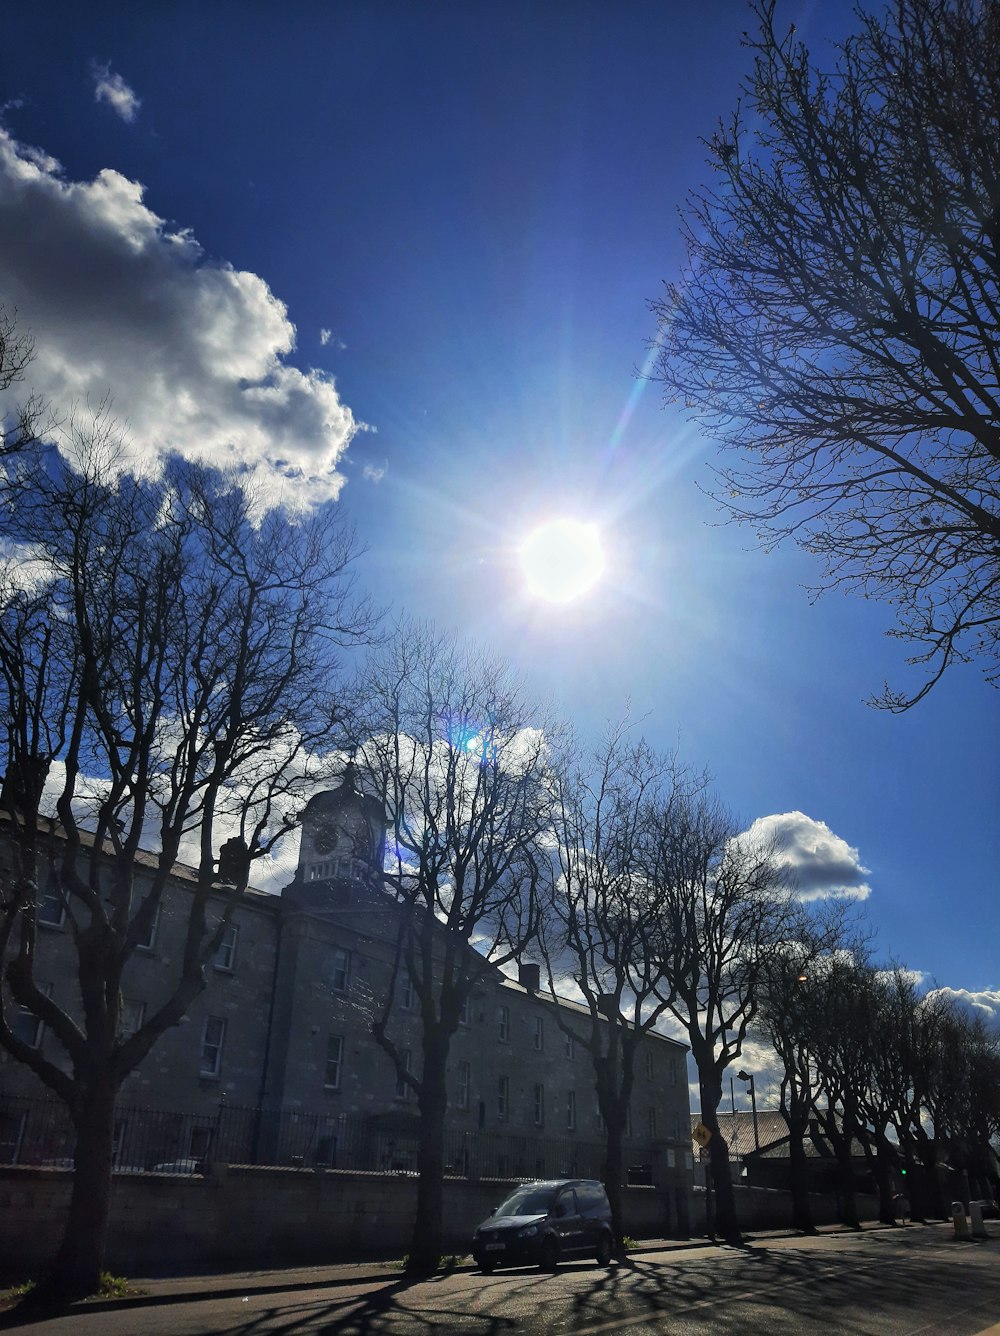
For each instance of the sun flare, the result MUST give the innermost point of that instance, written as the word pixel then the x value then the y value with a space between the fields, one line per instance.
pixel 562 559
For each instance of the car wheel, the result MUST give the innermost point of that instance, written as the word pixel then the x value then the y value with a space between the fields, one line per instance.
pixel 604 1251
pixel 549 1258
pixel 486 1267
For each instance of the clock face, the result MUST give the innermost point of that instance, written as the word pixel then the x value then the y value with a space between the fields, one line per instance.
pixel 325 837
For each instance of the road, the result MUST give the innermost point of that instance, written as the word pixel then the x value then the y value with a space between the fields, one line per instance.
pixel 894 1283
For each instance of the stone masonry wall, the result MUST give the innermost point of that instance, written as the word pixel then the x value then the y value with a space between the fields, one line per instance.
pixel 247 1217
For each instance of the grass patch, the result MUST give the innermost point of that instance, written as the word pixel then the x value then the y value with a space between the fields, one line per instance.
pixel 15 1293
pixel 449 1262
pixel 110 1287
pixel 114 1287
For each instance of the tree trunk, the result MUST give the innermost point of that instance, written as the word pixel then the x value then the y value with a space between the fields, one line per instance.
pixel 76 1270
pixel 726 1223
pixel 425 1247
pixel 934 1202
pixel 614 1178
pixel 798 1166
pixel 845 1175
pixel 915 1185
pixel 882 1169
pixel 841 1138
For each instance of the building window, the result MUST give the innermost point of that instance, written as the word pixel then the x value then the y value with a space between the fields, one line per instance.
pixel 503 1024
pixel 539 1105
pixel 652 1122
pixel 406 991
pixel 570 1110
pixel 341 969
pixel 503 1098
pixel 131 1017
pixel 539 1034
pixel 649 1065
pixel 674 1064
pixel 51 911
pixel 225 956
pixel 463 1015
pixel 598 1115
pixel 212 1039
pixel 149 941
pixel 570 1048
pixel 462 1098
pixel 334 1061
pixel 402 1088
pixel 26 1026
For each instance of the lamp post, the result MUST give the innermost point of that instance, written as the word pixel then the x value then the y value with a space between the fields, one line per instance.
pixel 748 1077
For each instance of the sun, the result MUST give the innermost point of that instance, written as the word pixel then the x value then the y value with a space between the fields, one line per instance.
pixel 562 559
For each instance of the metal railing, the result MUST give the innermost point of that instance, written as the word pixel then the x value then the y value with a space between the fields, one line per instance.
pixel 39 1132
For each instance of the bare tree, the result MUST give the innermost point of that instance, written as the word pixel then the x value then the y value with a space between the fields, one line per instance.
pixel 982 1111
pixel 786 1020
pixel 886 1014
pixel 21 423
pixel 167 664
pixel 460 758
pixel 962 1096
pixel 604 916
pixel 841 1014
pixel 724 912
pixel 931 1035
pixel 837 326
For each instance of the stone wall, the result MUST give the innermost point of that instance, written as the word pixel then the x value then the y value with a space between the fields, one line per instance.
pixel 771 1208
pixel 244 1217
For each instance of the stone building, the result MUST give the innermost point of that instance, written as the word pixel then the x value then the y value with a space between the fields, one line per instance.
pixel 275 1060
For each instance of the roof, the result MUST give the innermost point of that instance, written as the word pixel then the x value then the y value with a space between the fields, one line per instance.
pixel 773 1135
pixel 144 858
pixel 738 1130
pixel 577 1008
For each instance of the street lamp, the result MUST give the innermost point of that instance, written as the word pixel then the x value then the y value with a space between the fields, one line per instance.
pixel 747 1076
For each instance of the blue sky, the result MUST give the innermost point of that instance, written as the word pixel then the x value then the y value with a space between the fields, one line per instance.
pixel 401 252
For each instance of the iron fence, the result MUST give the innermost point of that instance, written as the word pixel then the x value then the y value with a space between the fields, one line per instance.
pixel 40 1132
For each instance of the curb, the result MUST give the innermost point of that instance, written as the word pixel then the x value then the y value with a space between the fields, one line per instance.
pixel 185 1289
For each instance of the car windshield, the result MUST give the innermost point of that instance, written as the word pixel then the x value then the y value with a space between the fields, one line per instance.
pixel 527 1201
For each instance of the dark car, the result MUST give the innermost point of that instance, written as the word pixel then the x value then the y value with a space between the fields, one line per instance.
pixel 542 1223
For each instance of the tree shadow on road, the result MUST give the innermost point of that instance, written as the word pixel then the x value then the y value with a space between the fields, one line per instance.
pixel 730 1288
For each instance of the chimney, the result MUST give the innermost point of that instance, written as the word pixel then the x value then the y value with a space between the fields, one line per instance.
pixel 529 976
pixel 23 783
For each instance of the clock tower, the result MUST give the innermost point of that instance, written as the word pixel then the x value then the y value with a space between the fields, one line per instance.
pixel 343 840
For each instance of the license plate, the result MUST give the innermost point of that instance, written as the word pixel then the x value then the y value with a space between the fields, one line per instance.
pixel 495 1247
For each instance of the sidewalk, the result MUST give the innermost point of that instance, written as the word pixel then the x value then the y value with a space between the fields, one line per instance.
pixel 242 1284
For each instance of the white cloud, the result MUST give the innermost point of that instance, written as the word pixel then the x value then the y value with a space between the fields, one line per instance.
pixel 373 473
pixel 191 351
pixel 984 1003
pixel 305 775
pixel 324 336
pixel 823 865
pixel 112 89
